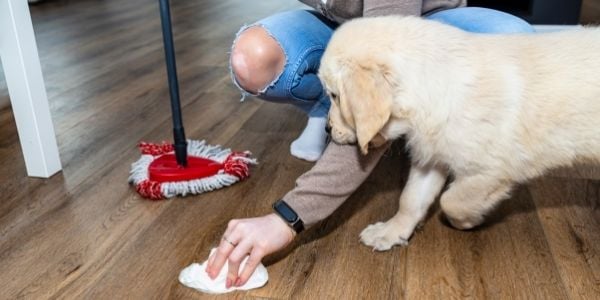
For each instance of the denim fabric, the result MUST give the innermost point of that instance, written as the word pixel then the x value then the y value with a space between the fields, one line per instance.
pixel 482 20
pixel 303 36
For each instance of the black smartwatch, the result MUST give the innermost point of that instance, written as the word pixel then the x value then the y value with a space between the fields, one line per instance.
pixel 288 215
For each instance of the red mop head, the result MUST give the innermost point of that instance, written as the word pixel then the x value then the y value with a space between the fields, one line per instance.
pixel 156 175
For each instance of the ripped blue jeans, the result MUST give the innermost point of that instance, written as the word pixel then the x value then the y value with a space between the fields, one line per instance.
pixel 303 36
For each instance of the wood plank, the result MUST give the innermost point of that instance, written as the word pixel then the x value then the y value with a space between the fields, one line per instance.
pixel 193 225
pixel 329 262
pixel 590 12
pixel 506 258
pixel 569 210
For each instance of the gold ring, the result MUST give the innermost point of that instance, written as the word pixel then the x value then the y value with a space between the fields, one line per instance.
pixel 230 242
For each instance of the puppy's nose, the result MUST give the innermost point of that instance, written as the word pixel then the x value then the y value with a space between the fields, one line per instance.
pixel 328 128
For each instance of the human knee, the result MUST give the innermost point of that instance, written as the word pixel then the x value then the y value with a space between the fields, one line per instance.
pixel 517 26
pixel 256 59
pixel 501 22
pixel 482 20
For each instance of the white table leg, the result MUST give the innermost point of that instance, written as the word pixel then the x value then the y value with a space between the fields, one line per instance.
pixel 26 89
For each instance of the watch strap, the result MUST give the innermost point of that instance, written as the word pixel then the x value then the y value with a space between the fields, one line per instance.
pixel 287 214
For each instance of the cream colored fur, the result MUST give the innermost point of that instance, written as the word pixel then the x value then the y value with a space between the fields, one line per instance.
pixel 493 110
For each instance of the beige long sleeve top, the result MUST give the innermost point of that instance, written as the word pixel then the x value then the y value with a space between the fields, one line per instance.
pixel 334 177
pixel 342 169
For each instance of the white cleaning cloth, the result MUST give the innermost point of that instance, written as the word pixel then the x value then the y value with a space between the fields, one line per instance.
pixel 195 276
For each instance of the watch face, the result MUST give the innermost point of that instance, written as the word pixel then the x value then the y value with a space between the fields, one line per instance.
pixel 287 213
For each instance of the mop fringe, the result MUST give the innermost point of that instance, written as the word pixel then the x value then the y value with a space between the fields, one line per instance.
pixel 235 168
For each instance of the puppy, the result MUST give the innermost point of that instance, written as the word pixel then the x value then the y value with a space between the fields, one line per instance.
pixel 493 110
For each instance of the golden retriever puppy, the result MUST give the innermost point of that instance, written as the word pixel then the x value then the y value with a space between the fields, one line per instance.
pixel 493 110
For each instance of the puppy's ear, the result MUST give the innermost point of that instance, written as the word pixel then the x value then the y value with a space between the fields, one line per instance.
pixel 367 90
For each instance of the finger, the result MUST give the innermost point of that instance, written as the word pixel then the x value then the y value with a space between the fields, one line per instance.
pixel 256 256
pixel 231 227
pixel 211 260
pixel 211 268
pixel 235 259
pixel 221 256
pixel 213 254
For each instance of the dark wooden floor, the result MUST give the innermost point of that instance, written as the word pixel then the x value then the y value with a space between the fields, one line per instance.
pixel 85 234
pixel 590 12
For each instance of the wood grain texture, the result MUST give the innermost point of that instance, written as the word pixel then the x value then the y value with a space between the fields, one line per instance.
pixel 590 12
pixel 85 234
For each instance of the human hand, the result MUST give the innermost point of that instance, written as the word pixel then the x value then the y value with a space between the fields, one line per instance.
pixel 257 237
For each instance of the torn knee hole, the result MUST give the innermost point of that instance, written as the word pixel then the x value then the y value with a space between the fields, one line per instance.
pixel 257 60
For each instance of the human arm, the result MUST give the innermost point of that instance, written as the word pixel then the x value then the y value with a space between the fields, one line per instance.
pixel 339 172
pixel 318 192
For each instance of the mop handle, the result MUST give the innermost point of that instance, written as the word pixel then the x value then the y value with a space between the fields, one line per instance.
pixel 180 142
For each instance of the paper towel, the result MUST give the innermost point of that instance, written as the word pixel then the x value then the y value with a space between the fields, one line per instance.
pixel 195 276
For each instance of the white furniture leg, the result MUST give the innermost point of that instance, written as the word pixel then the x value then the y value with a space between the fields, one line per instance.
pixel 26 89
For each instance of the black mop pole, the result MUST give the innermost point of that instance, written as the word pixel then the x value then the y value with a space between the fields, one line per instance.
pixel 180 143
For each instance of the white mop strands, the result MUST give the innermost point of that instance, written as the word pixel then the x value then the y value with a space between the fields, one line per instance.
pixel 234 167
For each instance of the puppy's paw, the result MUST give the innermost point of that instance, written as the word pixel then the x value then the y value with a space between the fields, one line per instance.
pixel 382 236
